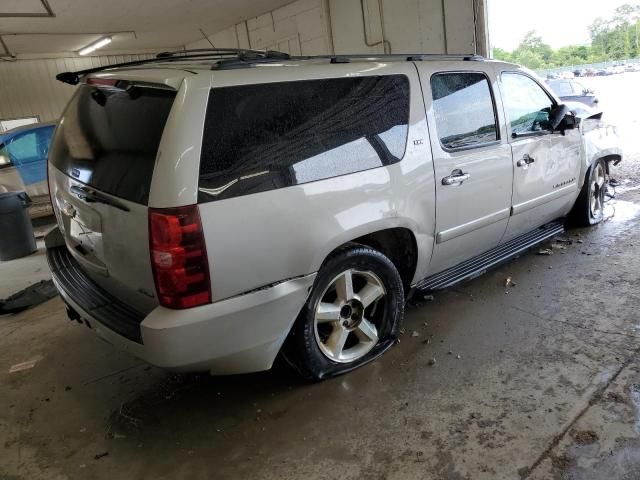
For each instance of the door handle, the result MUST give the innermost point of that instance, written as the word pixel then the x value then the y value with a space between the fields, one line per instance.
pixel 525 160
pixel 457 177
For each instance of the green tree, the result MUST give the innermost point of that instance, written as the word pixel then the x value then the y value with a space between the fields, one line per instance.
pixel 614 38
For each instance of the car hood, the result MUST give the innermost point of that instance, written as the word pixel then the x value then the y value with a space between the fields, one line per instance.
pixel 584 112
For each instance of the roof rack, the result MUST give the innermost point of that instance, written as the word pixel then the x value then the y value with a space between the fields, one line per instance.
pixel 219 54
pixel 232 58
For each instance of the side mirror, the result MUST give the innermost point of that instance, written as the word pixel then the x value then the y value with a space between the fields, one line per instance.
pixel 587 91
pixel 562 118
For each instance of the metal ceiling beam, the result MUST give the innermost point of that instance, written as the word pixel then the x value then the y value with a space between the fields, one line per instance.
pixel 48 13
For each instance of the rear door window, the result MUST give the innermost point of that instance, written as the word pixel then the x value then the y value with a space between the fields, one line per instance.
pixel 268 136
pixel 464 109
pixel 108 138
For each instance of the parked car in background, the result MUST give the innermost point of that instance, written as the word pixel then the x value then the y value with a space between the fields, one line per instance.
pixel 214 214
pixel 23 163
pixel 570 90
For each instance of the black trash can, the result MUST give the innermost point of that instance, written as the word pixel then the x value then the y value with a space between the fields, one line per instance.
pixel 16 233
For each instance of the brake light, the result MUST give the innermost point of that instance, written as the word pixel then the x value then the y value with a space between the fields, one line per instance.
pixel 102 82
pixel 179 257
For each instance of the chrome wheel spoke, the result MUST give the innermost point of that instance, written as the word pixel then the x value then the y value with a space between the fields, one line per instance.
pixel 370 293
pixel 367 331
pixel 327 312
pixel 341 312
pixel 344 286
pixel 336 341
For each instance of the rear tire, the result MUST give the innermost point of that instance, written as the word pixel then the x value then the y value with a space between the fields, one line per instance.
pixel 351 317
pixel 589 207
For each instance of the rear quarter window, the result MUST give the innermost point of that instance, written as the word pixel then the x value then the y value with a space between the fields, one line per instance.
pixel 267 136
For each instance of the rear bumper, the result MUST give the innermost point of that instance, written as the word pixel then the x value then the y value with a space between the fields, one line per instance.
pixel 241 334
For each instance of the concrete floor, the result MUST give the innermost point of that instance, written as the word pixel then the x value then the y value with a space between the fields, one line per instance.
pixel 546 385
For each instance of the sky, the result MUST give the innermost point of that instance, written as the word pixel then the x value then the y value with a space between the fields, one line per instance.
pixel 558 22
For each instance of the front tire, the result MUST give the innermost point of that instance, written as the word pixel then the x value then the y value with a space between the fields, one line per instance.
pixel 352 316
pixel 589 207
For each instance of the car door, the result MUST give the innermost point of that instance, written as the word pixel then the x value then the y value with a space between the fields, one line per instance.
pixel 473 169
pixel 545 163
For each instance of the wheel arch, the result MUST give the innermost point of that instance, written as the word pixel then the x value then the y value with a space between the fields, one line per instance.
pixel 399 244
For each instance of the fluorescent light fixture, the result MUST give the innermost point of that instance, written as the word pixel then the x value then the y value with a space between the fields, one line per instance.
pixel 95 45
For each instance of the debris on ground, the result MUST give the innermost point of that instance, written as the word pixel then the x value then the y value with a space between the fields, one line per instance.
pixel 29 297
pixel 19 367
pixel 415 334
pixel 509 282
pixel 545 251
pixel 98 456
pixel 557 246
pixel 432 361
pixel 449 352
pixel 458 357
pixel 566 241
pixel 428 298
pixel 580 241
pixel 585 437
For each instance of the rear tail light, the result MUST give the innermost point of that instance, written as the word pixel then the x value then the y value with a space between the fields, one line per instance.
pixel 179 257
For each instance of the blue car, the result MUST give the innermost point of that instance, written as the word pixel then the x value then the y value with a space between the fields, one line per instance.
pixel 23 160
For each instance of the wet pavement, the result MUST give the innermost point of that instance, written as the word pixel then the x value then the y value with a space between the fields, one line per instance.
pixel 537 380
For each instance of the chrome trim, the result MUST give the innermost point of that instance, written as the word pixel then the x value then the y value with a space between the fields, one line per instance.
pixel 542 199
pixel 476 224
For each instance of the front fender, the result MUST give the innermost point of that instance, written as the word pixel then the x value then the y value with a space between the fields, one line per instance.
pixel 600 140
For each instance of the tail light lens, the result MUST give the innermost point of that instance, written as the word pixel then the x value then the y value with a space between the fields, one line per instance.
pixel 179 257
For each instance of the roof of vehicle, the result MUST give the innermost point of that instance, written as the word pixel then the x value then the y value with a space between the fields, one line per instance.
pixel 9 134
pixel 230 59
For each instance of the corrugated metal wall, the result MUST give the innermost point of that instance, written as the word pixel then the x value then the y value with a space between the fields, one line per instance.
pixel 29 87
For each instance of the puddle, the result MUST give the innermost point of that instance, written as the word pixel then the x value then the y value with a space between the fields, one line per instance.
pixel 621 211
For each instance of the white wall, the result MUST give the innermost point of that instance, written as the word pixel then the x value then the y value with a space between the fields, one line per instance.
pixel 337 26
pixel 29 87
pixel 308 27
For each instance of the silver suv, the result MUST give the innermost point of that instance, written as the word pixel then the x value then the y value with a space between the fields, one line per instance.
pixel 219 208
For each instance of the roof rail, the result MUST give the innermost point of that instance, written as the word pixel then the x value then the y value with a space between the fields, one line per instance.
pixel 345 58
pixel 220 54
pixel 230 58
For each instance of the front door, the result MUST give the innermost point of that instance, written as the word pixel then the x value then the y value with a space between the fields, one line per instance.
pixel 473 168
pixel 546 163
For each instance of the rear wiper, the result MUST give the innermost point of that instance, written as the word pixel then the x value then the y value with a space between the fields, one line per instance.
pixel 89 196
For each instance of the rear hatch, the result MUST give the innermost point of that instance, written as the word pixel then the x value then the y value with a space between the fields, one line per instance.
pixel 101 165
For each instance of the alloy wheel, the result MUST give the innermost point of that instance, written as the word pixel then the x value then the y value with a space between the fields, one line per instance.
pixel 346 315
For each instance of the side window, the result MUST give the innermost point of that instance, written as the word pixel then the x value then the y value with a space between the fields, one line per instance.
pixel 24 148
pixel 527 105
pixel 464 110
pixel 273 135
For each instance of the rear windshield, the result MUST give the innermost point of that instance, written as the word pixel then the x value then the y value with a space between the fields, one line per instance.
pixel 108 138
pixel 274 135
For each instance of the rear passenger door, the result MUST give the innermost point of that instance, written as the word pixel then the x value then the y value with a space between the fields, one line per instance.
pixel 473 169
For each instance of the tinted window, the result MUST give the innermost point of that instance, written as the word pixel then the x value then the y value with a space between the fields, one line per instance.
pixel 527 105
pixel 463 108
pixel 267 136
pixel 108 138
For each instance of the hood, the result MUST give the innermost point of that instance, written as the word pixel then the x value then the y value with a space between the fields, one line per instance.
pixel 584 112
